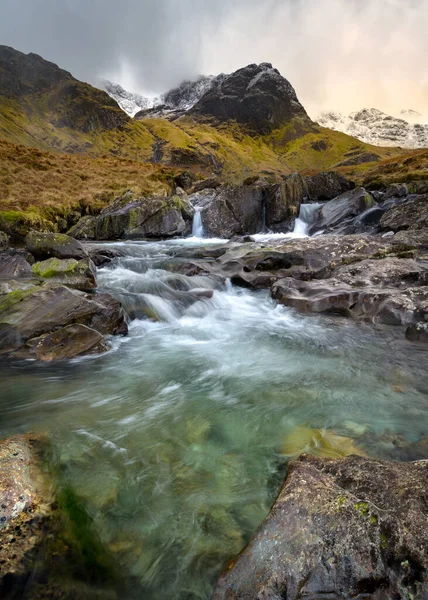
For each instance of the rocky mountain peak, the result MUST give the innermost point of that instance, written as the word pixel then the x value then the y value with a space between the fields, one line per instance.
pixel 256 95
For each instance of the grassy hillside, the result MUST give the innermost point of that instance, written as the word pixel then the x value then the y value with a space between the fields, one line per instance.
pixel 39 188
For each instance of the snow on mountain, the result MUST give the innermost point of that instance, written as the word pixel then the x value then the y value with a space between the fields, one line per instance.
pixel 376 127
pixel 128 101
pixel 181 98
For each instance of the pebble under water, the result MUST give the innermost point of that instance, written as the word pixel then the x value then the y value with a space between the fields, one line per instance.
pixel 176 440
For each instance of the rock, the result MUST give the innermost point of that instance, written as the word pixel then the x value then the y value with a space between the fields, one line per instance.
pixel 234 211
pixel 57 245
pixel 85 229
pixel 69 342
pixel 396 190
pixel 102 256
pixel 386 272
pixel 283 201
pixel 418 332
pixel 344 528
pixel 155 217
pixel 418 238
pixel 15 263
pixel 338 213
pixel 45 535
pixel 212 183
pixel 257 96
pixel 327 185
pixel 185 180
pixel 80 275
pixel 386 305
pixel 28 314
pixel 4 240
pixel 410 214
pixel 304 259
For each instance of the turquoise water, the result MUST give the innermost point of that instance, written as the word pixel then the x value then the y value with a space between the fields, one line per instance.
pixel 176 439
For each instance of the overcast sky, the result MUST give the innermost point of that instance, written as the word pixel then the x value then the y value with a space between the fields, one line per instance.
pixel 338 54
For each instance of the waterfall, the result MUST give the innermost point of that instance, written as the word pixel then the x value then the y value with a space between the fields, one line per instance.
pixel 197 227
pixel 307 217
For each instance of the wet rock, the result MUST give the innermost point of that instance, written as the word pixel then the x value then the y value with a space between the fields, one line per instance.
pixel 28 314
pixel 103 256
pixel 410 214
pixel 77 274
pixel 84 229
pixel 418 238
pixel 418 332
pixel 283 201
pixel 185 180
pixel 69 342
pixel 45 550
pixel 303 259
pixel 343 528
pixel 327 185
pixel 390 271
pixel 234 211
pixel 338 213
pixel 378 304
pixel 15 263
pixel 57 245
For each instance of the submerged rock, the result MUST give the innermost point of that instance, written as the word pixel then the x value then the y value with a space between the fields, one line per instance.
pixel 46 547
pixel 80 275
pixel 418 332
pixel 57 245
pixel 343 528
pixel 29 314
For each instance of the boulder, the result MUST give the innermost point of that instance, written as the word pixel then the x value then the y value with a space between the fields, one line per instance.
pixel 339 213
pixel 350 527
pixel 387 305
pixel 257 96
pixel 84 229
pixel 327 185
pixel 410 214
pixel 77 274
pixel 57 245
pixel 31 313
pixel 283 201
pixel 102 256
pixel 15 263
pixel 235 210
pixel 304 259
pixel 418 238
pixel 211 183
pixel 68 342
pixel 155 217
pixel 418 332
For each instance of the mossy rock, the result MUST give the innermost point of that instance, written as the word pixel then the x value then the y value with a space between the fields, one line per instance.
pixel 58 245
pixel 78 274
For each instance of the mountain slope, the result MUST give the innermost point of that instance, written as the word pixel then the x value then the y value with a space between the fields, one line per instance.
pixel 375 127
pixel 247 123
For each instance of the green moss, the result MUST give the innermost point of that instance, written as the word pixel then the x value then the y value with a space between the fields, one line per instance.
pixel 362 507
pixel 55 266
pixel 9 300
pixel 383 541
pixel 340 501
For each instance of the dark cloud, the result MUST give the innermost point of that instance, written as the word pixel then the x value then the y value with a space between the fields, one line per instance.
pixel 337 53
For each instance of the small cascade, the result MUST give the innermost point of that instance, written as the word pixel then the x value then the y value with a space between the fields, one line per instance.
pixel 307 217
pixel 197 226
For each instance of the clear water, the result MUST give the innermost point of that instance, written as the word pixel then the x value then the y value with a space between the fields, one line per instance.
pixel 175 440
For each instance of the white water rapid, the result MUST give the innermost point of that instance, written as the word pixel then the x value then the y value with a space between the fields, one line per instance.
pixel 197 227
pixel 307 216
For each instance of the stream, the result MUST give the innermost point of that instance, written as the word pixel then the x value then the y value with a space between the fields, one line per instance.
pixel 176 440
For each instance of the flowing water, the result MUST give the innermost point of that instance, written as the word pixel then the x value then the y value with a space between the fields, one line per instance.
pixel 176 439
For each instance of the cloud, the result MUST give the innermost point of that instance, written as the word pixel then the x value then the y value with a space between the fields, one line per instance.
pixel 338 54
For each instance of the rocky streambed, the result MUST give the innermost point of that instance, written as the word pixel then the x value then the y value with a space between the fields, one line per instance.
pixel 196 370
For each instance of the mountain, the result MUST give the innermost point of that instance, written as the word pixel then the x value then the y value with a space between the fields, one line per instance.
pixel 128 101
pixel 375 127
pixel 257 96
